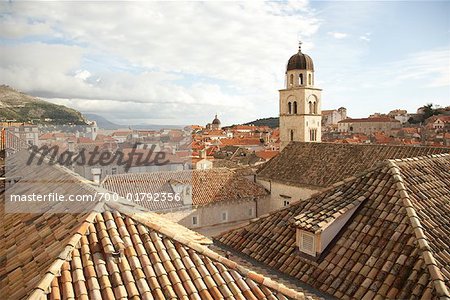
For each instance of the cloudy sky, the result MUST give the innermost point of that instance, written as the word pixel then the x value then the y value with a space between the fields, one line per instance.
pixel 180 63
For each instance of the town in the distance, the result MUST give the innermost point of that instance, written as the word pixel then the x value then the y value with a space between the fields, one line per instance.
pixel 313 204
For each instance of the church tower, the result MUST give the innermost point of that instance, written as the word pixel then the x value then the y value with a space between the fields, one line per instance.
pixel 300 114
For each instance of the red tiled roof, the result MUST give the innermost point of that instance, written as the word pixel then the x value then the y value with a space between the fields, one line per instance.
pixel 215 133
pixel 410 130
pixel 395 246
pixel 208 186
pixel 121 133
pixel 267 154
pixel 322 164
pixel 85 140
pixel 241 142
pixel 46 136
pixel 117 251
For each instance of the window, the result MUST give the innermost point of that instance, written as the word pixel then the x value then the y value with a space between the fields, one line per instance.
pixel 314 107
pixel 300 78
pixel 313 135
pixel 224 216
pixel 291 79
pixel 307 243
pixel 295 107
pixel 286 202
pixel 292 135
pixel 114 171
pixel 290 108
pixel 194 220
pixel 309 79
pixel 310 107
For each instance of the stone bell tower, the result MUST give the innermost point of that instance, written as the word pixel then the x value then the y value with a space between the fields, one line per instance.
pixel 300 113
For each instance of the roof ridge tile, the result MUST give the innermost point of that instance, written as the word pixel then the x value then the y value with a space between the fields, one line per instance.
pixel 427 252
pixel 200 247
pixel 44 284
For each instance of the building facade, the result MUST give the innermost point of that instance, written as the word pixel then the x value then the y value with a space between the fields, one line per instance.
pixel 333 116
pixel 300 101
pixel 369 125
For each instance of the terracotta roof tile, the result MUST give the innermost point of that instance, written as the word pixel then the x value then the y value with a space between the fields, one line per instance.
pixel 208 186
pixel 394 246
pixel 125 252
pixel 322 164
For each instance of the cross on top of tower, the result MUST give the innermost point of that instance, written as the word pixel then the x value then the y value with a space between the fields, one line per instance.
pixel 300 46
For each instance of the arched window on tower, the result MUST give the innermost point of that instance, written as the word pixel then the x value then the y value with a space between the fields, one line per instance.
pixel 315 107
pixel 295 107
pixel 310 107
pixel 309 79
pixel 291 79
pixel 290 108
pixel 300 79
pixel 292 134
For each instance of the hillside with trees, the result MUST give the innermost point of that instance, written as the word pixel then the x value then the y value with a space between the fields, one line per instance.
pixel 19 107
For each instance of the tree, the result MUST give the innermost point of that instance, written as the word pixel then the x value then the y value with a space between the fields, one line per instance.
pixel 429 111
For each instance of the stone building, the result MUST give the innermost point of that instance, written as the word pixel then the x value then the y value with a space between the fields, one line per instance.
pixel 333 116
pixel 300 101
pixel 211 197
pixel 303 169
pixel 27 133
pixel 369 125
pixel 399 114
pixel 214 125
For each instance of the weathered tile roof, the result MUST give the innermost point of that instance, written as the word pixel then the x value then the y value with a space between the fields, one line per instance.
pixel 117 251
pixel 208 186
pixel 395 246
pixel 121 258
pixel 322 164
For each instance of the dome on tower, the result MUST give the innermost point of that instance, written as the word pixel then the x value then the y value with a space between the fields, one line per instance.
pixel 216 121
pixel 300 61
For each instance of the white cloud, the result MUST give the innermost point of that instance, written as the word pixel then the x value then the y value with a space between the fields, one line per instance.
pixel 83 74
pixel 206 55
pixel 432 68
pixel 365 37
pixel 338 35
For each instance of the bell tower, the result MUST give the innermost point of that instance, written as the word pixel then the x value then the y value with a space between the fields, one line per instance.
pixel 300 101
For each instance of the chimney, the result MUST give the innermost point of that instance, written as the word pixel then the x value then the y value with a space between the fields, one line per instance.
pixel 71 146
pixel 187 195
pixel 96 175
pixel 202 153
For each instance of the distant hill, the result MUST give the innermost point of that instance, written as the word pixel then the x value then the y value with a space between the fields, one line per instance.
pixel 102 122
pixel 20 107
pixel 271 122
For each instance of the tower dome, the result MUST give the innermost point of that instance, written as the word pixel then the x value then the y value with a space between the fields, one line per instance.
pixel 300 61
pixel 216 121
